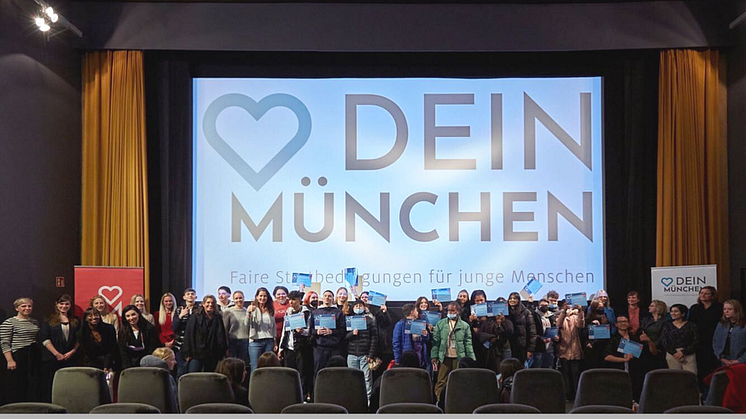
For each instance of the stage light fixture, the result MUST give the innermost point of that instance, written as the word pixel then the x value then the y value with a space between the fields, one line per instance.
pixel 40 21
pixel 44 27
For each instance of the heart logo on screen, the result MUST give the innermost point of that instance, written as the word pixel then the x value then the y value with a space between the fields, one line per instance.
pixel 666 281
pixel 110 294
pixel 257 179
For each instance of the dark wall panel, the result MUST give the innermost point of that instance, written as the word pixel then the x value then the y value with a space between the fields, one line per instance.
pixel 39 163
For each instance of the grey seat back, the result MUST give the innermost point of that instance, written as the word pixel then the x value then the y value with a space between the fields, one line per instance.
pixel 342 386
pixel 506 408
pixel 218 408
pixel 600 408
pixel 405 385
pixel 72 382
pixel 470 388
pixel 541 388
pixel 271 389
pixel 313 408
pixel 120 408
pixel 204 387
pixel 594 386
pixel 666 389
pixel 32 407
pixel 410 408
pixel 718 385
pixel 148 385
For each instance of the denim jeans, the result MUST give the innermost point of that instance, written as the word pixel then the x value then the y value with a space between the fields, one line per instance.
pixel 239 348
pixel 361 363
pixel 257 348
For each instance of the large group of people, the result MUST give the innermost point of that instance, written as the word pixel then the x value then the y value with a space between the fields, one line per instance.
pixel 308 332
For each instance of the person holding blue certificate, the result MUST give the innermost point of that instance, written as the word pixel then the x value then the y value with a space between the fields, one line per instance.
pixel 594 350
pixel 295 345
pixel 451 343
pixel 477 317
pixel 618 357
pixel 494 335
pixel 523 339
pixel 362 343
pixel 404 341
pixel 327 337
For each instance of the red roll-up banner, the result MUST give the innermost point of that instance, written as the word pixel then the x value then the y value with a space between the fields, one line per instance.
pixel 116 284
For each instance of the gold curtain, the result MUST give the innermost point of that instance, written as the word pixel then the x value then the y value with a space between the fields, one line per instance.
pixel 692 219
pixel 115 192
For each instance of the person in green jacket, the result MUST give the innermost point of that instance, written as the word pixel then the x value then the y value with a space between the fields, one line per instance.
pixel 451 342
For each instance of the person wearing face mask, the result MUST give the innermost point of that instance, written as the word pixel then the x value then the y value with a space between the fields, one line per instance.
pixel 524 336
pixel 311 300
pixel 137 337
pixel 361 346
pixel 205 342
pixel 553 298
pixel 326 342
pixel 570 349
pixel 295 345
pixel 544 350
pixel 451 342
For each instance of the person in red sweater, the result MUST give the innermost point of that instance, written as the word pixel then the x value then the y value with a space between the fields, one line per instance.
pixel 164 319
pixel 281 303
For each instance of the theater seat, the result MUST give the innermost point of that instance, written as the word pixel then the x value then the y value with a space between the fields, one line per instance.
pixel 698 410
pixel 218 408
pixel 541 388
pixel 204 387
pixel 470 388
pixel 666 389
pixel 342 386
pixel 405 385
pixel 32 407
pixel 271 389
pixel 595 385
pixel 71 383
pixel 410 408
pixel 313 408
pixel 148 385
pixel 718 385
pixel 128 408
pixel 601 408
pixel 506 408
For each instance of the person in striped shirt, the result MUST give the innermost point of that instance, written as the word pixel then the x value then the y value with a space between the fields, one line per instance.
pixel 19 336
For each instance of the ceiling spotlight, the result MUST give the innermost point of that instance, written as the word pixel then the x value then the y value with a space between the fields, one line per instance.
pixel 54 17
pixel 44 27
pixel 40 22
pixel 49 11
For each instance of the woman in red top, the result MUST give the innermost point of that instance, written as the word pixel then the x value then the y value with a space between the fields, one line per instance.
pixel 164 318
pixel 281 305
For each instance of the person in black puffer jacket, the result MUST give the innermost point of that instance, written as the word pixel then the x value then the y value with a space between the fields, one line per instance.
pixel 523 339
pixel 361 345
pixel 326 342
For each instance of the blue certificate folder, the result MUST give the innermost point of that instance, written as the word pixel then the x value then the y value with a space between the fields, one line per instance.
pixel 442 294
pixel 356 322
pixel 533 287
pixel 579 298
pixel 480 310
pixel 599 331
pixel 299 278
pixel 351 276
pixel 376 298
pixel 294 321
pixel 500 308
pixel 431 317
pixel 328 321
pixel 550 332
pixel 414 327
pixel 630 347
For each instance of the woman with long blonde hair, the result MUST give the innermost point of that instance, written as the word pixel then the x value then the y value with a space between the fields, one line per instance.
pixel 164 318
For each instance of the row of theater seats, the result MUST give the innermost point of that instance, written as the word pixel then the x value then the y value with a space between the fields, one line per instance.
pixel 403 390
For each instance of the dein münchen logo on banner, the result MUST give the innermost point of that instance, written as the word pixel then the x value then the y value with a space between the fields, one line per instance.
pixel 257 179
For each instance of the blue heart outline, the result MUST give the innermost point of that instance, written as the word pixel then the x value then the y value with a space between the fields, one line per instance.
pixel 257 110
pixel 666 279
